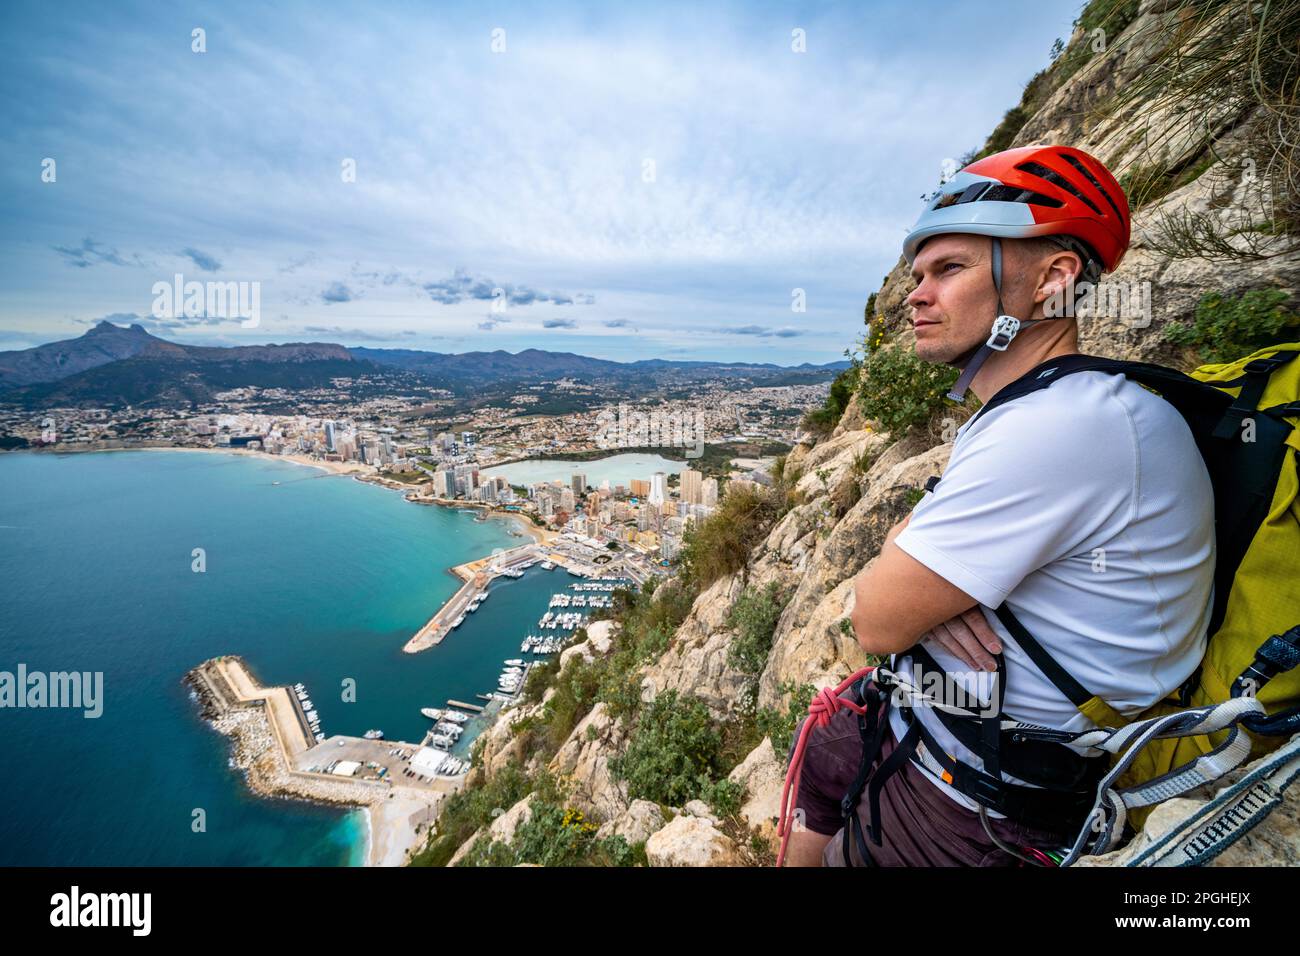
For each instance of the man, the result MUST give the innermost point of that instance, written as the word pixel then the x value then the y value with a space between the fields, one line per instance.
pixel 1084 508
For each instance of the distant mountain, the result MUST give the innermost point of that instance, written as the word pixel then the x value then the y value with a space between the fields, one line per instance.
pixel 107 343
pixel 533 365
pixel 111 365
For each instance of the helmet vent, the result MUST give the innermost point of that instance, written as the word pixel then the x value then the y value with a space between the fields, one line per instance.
pixel 969 194
pixel 1056 179
pixel 1093 179
pixel 1003 193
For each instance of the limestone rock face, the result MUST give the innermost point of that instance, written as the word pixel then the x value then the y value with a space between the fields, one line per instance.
pixel 600 638
pixel 585 763
pixel 500 746
pixel 695 663
pixel 503 827
pixel 691 841
pixel 762 774
pixel 464 849
pixel 830 461
pixel 635 824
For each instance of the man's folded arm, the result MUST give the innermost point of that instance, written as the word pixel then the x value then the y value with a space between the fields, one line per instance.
pixel 898 599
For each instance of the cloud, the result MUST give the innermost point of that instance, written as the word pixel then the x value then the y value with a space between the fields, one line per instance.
pixel 296 264
pixel 559 324
pixel 359 335
pixel 201 259
pixel 762 331
pixel 462 285
pixel 618 324
pixel 90 252
pixel 337 292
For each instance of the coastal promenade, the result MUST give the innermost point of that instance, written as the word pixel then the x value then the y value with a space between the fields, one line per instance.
pixel 274 749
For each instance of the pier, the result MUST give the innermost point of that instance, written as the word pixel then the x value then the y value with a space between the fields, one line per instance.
pixel 476 575
pixel 460 704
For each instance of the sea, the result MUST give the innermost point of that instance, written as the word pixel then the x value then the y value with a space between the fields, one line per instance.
pixel 142 564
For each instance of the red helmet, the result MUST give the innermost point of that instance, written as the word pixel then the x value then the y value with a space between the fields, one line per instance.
pixel 1031 191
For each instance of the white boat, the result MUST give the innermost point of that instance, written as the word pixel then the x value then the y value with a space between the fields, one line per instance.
pixel 514 662
pixel 433 713
pixel 373 735
pixel 440 742
pixel 455 716
pixel 548 565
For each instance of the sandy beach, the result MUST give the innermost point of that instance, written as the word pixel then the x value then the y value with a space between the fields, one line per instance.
pixel 333 467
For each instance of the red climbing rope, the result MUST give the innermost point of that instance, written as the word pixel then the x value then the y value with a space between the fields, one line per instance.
pixel 824 704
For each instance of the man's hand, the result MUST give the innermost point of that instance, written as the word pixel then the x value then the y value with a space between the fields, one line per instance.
pixel 969 638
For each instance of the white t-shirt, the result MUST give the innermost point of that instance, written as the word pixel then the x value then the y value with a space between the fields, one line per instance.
pixel 1087 508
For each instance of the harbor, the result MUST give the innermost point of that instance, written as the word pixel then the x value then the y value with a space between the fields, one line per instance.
pixel 283 750
pixel 579 557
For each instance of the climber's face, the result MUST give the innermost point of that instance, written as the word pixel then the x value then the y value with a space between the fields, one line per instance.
pixel 954 299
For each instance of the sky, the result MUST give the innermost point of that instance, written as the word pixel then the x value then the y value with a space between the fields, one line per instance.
pixel 724 182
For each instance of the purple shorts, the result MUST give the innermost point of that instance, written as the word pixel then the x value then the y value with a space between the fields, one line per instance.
pixel 920 825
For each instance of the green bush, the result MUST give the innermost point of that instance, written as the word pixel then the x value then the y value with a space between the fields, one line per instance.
pixel 672 754
pixel 899 390
pixel 1225 329
pixel 721 543
pixel 724 797
pixel 754 617
pixel 553 835
pixel 822 421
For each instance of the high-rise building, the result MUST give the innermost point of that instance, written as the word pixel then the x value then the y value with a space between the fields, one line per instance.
pixel 658 488
pixel 329 437
pixel 691 486
pixel 566 500
pixel 579 484
pixel 640 488
pixel 709 492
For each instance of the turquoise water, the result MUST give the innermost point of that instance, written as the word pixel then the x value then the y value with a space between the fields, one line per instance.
pixel 618 469
pixel 317 579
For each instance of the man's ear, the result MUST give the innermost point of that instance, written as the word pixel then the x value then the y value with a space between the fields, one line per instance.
pixel 1059 273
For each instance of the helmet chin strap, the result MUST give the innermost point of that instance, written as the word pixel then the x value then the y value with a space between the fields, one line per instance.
pixel 1005 327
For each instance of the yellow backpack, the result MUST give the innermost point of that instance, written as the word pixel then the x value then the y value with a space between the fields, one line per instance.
pixel 1255 635
pixel 1243 701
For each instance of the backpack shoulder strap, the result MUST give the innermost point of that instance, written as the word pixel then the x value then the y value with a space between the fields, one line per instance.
pixel 1182 390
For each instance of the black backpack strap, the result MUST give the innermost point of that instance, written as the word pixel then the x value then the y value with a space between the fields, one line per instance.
pixel 1180 389
pixel 1254 381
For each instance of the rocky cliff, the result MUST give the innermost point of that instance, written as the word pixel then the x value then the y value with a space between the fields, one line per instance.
pixel 849 488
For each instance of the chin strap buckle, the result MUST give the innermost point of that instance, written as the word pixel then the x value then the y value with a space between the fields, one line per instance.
pixel 1004 330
